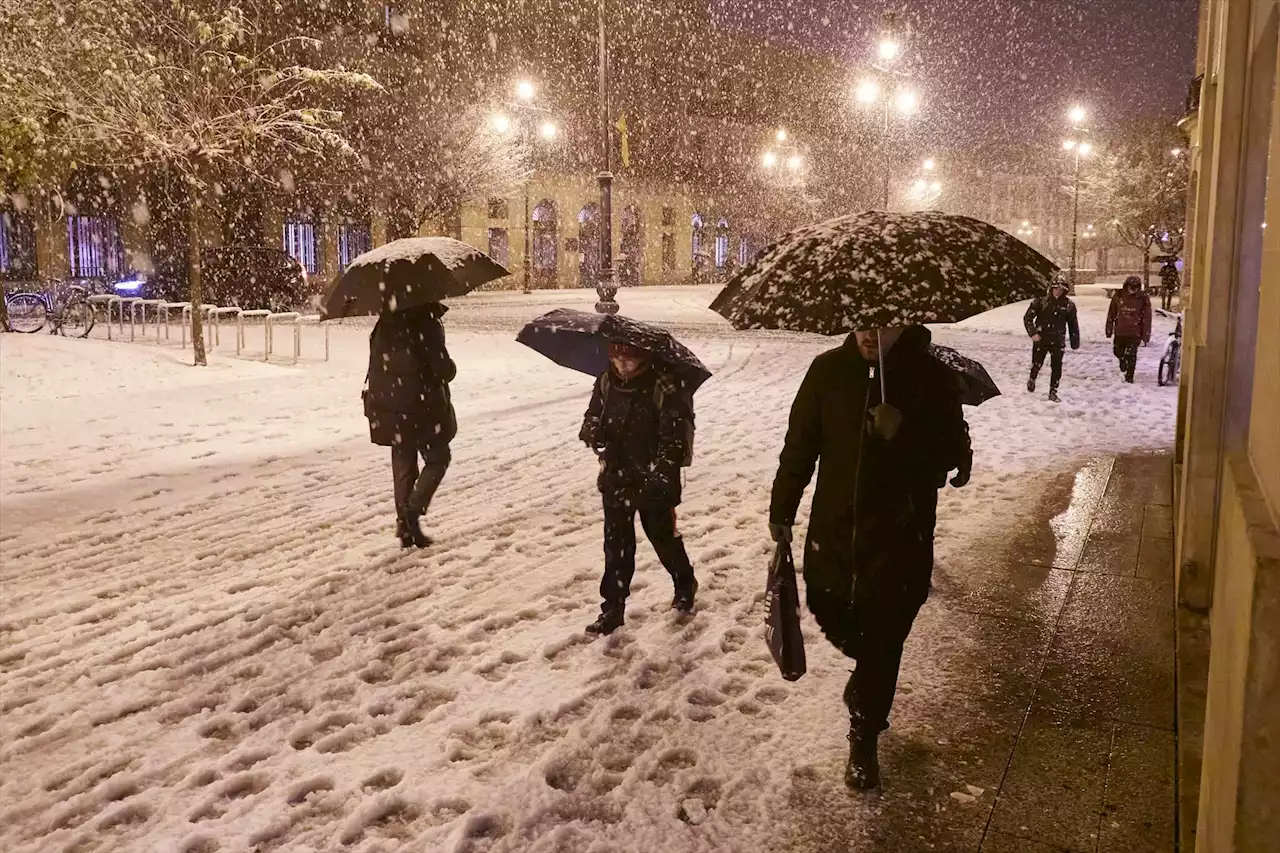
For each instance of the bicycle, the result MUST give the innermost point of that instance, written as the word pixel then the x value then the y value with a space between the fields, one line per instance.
pixel 68 312
pixel 1171 360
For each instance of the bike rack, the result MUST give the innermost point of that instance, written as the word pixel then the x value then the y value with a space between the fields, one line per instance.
pixel 215 315
pixel 129 303
pixel 108 299
pixel 140 307
pixel 289 317
pixel 165 308
pixel 240 318
pixel 317 320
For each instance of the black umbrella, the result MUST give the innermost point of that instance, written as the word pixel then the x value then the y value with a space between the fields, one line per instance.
pixel 406 274
pixel 977 383
pixel 580 341
pixel 877 270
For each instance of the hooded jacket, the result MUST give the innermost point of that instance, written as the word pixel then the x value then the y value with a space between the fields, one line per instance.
pixel 1054 319
pixel 1130 315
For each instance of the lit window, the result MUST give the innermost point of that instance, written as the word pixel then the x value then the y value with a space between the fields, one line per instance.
pixel 94 249
pixel 300 242
pixel 353 241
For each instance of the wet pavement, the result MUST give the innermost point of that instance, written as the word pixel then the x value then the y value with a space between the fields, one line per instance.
pixel 1039 715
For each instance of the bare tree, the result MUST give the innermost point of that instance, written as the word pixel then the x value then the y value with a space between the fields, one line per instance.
pixel 1137 188
pixel 192 87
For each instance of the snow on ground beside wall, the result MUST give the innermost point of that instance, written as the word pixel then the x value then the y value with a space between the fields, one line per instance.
pixel 211 642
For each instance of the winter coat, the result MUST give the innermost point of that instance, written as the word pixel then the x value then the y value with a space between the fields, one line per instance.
pixel 640 429
pixel 875 503
pixel 1054 320
pixel 406 396
pixel 1130 315
pixel 1169 278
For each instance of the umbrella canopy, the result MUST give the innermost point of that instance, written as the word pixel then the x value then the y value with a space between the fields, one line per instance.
pixel 978 384
pixel 406 274
pixel 580 341
pixel 876 270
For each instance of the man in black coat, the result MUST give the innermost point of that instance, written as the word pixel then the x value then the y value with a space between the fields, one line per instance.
pixel 1049 320
pixel 868 558
pixel 1168 283
pixel 407 402
pixel 640 423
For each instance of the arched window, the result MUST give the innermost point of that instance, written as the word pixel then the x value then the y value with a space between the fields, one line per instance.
pixel 544 241
pixel 722 243
pixel 631 247
pixel 696 242
pixel 589 245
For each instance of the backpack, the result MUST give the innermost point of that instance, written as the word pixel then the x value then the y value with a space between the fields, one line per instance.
pixel 661 389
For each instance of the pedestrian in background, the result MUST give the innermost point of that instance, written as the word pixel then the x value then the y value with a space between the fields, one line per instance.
pixel 407 402
pixel 640 423
pixel 1129 320
pixel 1050 320
pixel 1168 283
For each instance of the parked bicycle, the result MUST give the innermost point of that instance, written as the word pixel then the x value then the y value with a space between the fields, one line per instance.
pixel 65 309
pixel 1171 360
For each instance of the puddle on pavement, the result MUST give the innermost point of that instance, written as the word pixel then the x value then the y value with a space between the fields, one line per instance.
pixel 1071 526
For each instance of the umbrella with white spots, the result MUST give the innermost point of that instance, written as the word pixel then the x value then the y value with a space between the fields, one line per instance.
pixel 408 273
pixel 877 270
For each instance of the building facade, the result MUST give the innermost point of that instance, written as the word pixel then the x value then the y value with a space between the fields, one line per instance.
pixel 1228 450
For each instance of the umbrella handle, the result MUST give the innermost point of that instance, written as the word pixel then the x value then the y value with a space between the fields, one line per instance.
pixel 880 351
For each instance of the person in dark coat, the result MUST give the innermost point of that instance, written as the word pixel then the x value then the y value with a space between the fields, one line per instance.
pixel 1129 319
pixel 868 557
pixel 640 424
pixel 1050 320
pixel 407 402
pixel 1168 283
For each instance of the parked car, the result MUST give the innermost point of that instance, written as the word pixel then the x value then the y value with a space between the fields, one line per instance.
pixel 248 277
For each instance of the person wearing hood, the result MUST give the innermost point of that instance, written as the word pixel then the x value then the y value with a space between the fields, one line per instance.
pixel 883 418
pixel 407 402
pixel 1129 319
pixel 1168 283
pixel 1050 321
pixel 640 424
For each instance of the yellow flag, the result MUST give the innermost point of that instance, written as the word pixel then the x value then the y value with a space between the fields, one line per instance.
pixel 622 135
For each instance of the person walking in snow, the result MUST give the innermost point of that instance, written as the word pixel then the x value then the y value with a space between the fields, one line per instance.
pixel 868 557
pixel 1050 320
pixel 407 402
pixel 640 424
pixel 1168 283
pixel 1129 319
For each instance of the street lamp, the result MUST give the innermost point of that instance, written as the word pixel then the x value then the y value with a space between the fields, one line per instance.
pixel 794 162
pixel 930 165
pixel 1080 148
pixel 868 92
pixel 906 101
pixel 547 129
pixel 606 287
pixel 769 159
pixel 889 49
pixel 781 135
pixel 1077 115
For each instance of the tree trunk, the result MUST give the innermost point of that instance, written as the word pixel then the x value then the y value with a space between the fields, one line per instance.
pixel 4 312
pixel 193 281
pixel 1146 268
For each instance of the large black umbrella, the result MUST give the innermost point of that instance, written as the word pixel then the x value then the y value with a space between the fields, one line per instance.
pixel 406 274
pixel 580 341
pixel 876 270
pixel 978 386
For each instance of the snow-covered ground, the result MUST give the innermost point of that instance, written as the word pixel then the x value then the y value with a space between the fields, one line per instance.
pixel 212 643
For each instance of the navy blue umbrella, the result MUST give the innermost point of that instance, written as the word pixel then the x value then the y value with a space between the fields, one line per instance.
pixel 580 340
pixel 977 384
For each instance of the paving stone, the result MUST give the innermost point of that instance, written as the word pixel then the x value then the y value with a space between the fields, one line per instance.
pixel 1113 655
pixel 1111 553
pixel 1138 809
pixel 1055 784
pixel 1001 842
pixel 1069 503
pixel 1155 559
pixel 1158 521
pixel 990 588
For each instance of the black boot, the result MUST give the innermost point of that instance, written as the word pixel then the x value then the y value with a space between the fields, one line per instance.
pixel 685 593
pixel 409 531
pixel 862 773
pixel 609 620
pixel 1031 383
pixel 1053 396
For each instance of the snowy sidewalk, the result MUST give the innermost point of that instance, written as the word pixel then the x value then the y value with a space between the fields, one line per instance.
pixel 1038 716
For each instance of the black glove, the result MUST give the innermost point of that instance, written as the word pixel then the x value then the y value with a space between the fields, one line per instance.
pixel 961 479
pixel 780 532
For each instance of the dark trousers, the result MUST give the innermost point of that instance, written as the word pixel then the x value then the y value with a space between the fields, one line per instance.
pixel 1166 299
pixel 620 549
pixel 1053 349
pixel 872 632
pixel 1126 351
pixel 415 490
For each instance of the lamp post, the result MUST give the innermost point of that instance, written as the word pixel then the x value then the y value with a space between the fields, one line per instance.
pixel 526 112
pixel 606 287
pixel 873 90
pixel 1080 148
